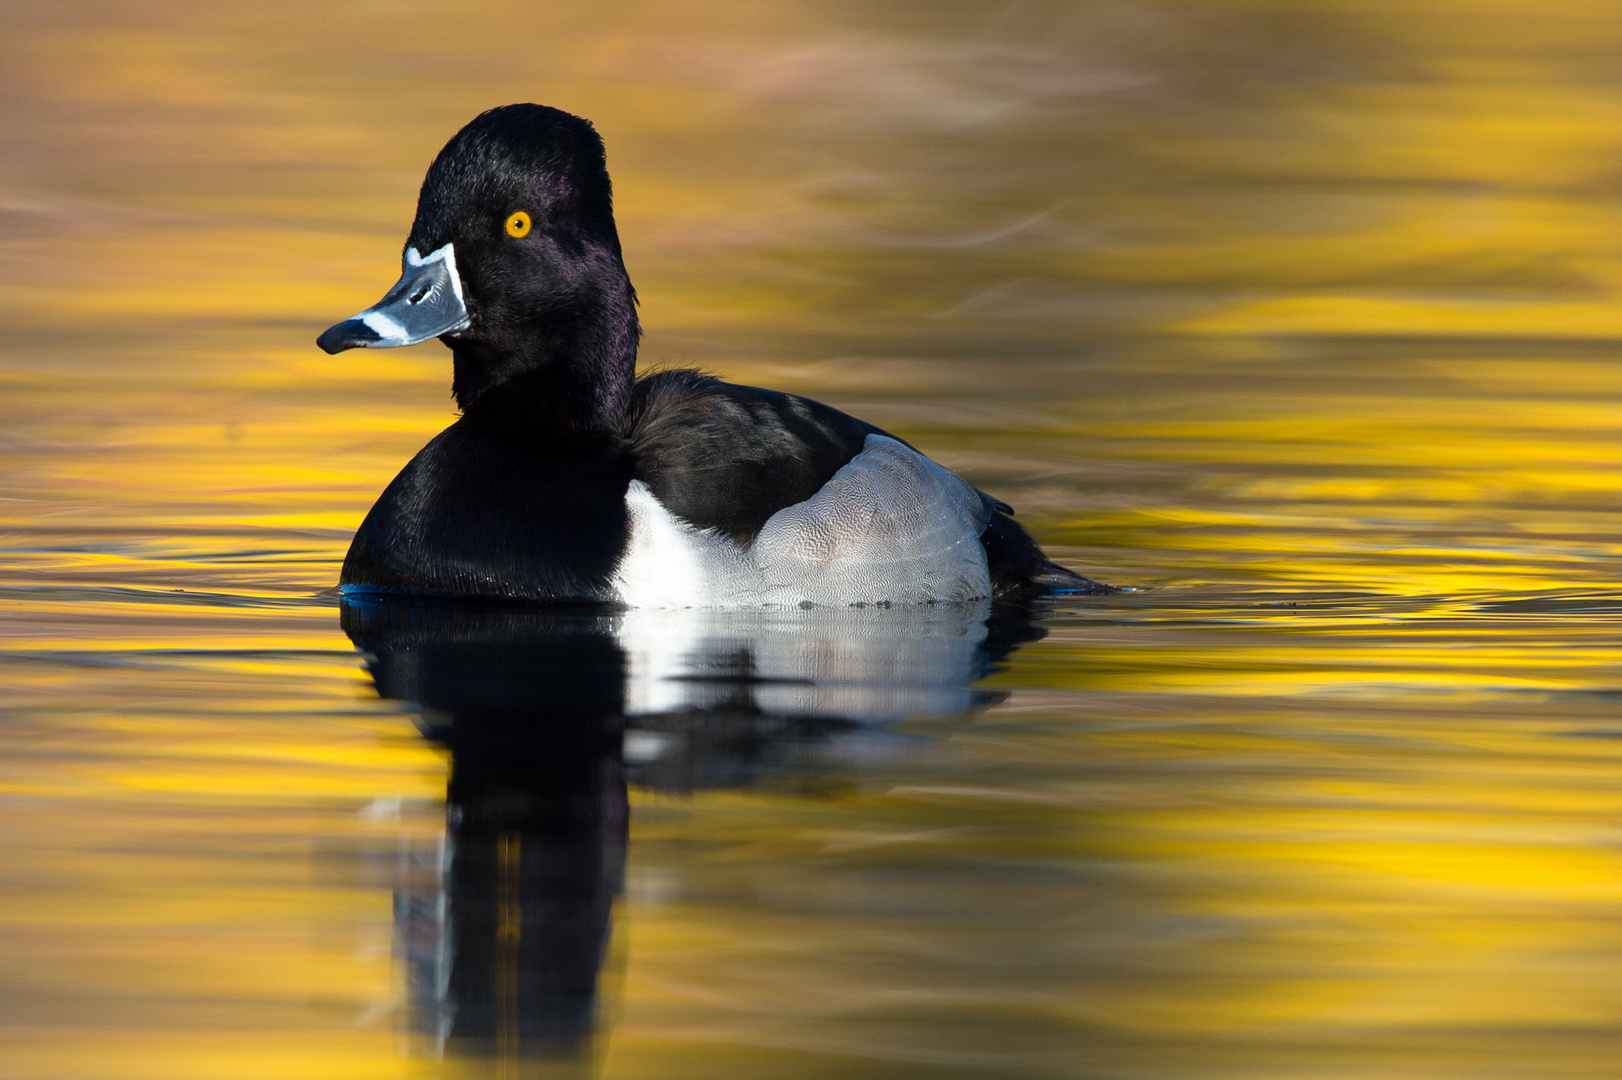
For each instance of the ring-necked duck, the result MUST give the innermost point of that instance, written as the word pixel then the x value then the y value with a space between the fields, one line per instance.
pixel 568 478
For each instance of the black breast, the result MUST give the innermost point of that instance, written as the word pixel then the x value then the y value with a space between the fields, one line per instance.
pixel 728 457
pixel 491 509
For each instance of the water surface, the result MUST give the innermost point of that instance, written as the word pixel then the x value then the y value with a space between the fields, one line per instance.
pixel 1303 319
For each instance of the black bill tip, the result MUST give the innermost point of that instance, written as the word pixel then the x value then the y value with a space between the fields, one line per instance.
pixel 349 334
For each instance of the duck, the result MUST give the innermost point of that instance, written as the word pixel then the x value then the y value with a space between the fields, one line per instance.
pixel 567 478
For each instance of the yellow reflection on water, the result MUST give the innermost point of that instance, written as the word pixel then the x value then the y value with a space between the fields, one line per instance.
pixel 1303 314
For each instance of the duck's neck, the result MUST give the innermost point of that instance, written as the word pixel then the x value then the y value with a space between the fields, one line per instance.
pixel 572 375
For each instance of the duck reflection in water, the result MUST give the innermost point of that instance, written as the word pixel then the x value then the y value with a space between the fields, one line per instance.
pixel 548 713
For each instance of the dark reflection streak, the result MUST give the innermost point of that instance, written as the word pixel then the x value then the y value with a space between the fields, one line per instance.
pixel 505 937
pixel 504 947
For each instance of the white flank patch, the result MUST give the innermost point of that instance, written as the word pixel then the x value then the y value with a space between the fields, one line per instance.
pixel 667 562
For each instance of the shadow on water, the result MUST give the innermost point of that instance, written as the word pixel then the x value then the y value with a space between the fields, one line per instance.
pixel 549 714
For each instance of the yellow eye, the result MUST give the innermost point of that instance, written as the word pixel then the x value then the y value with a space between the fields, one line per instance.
pixel 518 225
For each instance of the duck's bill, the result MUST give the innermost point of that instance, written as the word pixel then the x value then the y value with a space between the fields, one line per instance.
pixel 425 303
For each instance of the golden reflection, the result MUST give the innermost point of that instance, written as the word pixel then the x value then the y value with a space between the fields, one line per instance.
pixel 1302 313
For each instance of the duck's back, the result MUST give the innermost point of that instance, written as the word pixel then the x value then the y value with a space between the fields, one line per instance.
pixel 816 496
pixel 727 457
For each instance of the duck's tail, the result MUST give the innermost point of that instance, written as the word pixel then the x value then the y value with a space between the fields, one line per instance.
pixel 1018 566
